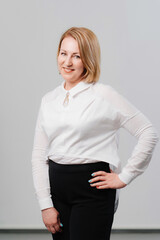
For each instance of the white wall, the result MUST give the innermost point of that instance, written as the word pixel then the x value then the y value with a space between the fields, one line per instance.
pixel 129 35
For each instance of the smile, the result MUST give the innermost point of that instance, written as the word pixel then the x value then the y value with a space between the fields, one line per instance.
pixel 68 70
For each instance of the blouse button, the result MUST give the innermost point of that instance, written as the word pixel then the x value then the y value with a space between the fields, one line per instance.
pixel 66 100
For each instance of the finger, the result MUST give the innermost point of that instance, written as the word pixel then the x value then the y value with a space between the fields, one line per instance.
pixel 52 229
pixel 95 179
pixel 103 187
pixel 97 184
pixel 59 224
pixel 98 173
pixel 57 227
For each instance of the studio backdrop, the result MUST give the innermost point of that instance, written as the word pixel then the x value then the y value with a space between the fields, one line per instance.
pixel 129 36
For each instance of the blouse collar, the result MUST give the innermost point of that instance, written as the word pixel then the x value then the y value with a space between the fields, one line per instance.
pixel 80 86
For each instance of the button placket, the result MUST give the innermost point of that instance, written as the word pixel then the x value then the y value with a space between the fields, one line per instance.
pixel 66 100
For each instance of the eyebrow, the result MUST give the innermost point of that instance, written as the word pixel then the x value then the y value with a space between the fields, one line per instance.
pixel 65 51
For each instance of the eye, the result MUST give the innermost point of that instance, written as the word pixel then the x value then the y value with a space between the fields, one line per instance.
pixel 77 56
pixel 63 54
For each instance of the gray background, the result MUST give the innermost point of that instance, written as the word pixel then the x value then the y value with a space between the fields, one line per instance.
pixel 129 35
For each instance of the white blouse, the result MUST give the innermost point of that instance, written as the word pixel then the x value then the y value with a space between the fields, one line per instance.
pixel 81 126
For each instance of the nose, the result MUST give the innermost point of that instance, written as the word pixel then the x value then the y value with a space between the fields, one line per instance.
pixel 68 61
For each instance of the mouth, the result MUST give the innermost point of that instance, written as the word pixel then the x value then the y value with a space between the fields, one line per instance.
pixel 68 70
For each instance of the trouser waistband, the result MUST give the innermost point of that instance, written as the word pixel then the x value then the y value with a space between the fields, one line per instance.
pixel 81 167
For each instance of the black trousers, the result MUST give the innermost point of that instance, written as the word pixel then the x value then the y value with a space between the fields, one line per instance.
pixel 85 212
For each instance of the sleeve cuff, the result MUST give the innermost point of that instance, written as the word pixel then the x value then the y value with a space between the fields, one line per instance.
pixel 45 203
pixel 125 177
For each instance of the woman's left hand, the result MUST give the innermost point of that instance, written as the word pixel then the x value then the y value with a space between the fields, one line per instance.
pixel 106 180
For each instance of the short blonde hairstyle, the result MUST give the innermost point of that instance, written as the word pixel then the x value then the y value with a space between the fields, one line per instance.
pixel 89 51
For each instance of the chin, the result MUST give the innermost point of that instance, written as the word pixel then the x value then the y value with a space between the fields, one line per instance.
pixel 67 78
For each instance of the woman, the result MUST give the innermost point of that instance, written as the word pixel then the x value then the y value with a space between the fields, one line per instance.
pixel 76 168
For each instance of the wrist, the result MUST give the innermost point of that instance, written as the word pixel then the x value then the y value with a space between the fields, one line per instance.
pixel 42 210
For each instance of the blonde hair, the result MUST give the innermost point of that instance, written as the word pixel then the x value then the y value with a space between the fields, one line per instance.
pixel 89 51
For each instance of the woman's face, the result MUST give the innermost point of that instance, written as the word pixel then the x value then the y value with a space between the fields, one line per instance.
pixel 69 61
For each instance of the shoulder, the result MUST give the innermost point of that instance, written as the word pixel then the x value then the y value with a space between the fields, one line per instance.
pixel 114 97
pixel 105 91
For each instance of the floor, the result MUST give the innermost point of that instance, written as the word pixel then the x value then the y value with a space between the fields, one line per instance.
pixel 47 236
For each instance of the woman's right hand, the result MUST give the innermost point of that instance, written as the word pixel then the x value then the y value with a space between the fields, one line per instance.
pixel 51 219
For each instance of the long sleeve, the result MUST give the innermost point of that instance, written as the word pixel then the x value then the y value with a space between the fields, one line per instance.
pixel 40 165
pixel 138 125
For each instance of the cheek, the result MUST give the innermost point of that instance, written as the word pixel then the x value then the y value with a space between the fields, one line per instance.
pixel 60 61
pixel 80 66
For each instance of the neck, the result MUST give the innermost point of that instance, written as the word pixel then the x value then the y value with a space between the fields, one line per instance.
pixel 68 85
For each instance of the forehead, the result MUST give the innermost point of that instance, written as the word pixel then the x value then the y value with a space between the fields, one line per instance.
pixel 70 44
